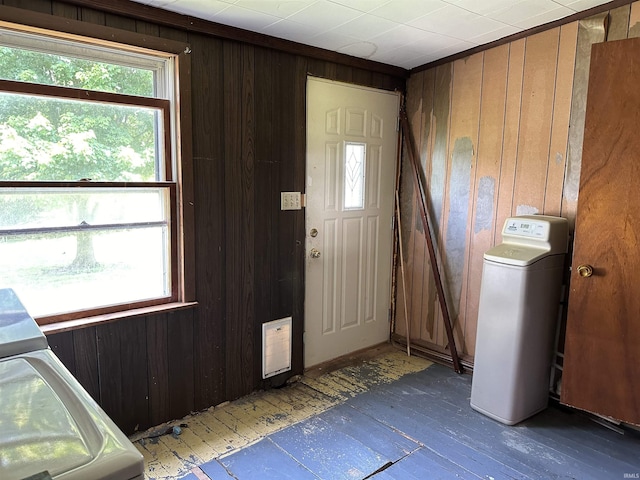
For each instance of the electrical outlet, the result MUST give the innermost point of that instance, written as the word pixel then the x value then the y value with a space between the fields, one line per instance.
pixel 290 201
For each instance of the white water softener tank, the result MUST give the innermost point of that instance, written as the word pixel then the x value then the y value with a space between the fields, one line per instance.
pixel 517 317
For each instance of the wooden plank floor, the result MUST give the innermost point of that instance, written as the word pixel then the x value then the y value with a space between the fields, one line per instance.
pixel 226 428
pixel 389 417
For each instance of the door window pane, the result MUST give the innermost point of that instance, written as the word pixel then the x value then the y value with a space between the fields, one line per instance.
pixel 354 162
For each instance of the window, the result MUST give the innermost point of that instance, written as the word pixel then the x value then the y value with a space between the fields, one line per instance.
pixel 88 188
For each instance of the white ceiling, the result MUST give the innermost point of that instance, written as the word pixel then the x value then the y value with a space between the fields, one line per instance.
pixel 404 33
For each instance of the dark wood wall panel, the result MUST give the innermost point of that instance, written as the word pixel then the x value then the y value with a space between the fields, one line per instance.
pixel 239 214
pixel 86 358
pixel 180 360
pixel 267 162
pixel 92 16
pixel 247 314
pixel 284 155
pixel 158 367
pixel 62 346
pixel 209 167
pixel 249 144
pixel 64 10
pixel 140 370
pixel 110 372
pixel 134 401
pixel 43 6
pixel 122 368
pixel 78 351
pixel 297 248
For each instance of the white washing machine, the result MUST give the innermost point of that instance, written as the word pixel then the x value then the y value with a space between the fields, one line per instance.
pixel 48 422
pixel 517 318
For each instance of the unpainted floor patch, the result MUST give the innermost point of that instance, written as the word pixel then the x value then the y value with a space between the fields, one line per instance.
pixel 219 431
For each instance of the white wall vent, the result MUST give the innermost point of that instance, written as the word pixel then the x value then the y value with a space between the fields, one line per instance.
pixel 276 347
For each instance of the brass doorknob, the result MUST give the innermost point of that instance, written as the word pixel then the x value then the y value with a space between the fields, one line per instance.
pixel 315 253
pixel 585 270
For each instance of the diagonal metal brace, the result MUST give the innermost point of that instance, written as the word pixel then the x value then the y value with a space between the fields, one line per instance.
pixel 422 205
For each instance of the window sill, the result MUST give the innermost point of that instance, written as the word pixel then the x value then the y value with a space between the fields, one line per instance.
pixel 67 325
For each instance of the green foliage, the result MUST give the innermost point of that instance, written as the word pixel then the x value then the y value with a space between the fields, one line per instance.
pixel 48 69
pixel 52 139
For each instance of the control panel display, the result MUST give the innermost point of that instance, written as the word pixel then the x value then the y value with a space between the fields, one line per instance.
pixel 527 228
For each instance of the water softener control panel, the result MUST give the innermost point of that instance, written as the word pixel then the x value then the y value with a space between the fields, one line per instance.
pixel 528 238
pixel 526 228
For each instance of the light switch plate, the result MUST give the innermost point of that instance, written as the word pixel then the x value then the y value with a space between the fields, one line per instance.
pixel 290 201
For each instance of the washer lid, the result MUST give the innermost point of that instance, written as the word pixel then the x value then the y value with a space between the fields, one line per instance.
pixel 515 254
pixel 38 432
pixel 49 422
pixel 19 333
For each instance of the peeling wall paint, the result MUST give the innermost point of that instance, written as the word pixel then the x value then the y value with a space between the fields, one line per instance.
pixel 484 204
pixel 459 193
pixel 439 156
pixel 618 23
pixel 526 210
pixel 558 158
pixel 591 30
pixel 406 201
pixel 449 162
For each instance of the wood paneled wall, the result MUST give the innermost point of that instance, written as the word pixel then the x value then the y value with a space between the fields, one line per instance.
pixel 248 145
pixel 140 370
pixel 499 134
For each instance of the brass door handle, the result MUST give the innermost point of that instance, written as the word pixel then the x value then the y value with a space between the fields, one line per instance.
pixel 585 270
pixel 315 253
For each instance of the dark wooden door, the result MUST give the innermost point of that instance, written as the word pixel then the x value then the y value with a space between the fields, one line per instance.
pixel 602 349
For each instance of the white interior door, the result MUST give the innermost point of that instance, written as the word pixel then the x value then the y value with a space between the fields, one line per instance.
pixel 351 164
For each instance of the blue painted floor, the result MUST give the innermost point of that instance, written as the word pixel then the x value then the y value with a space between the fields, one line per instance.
pixel 422 427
